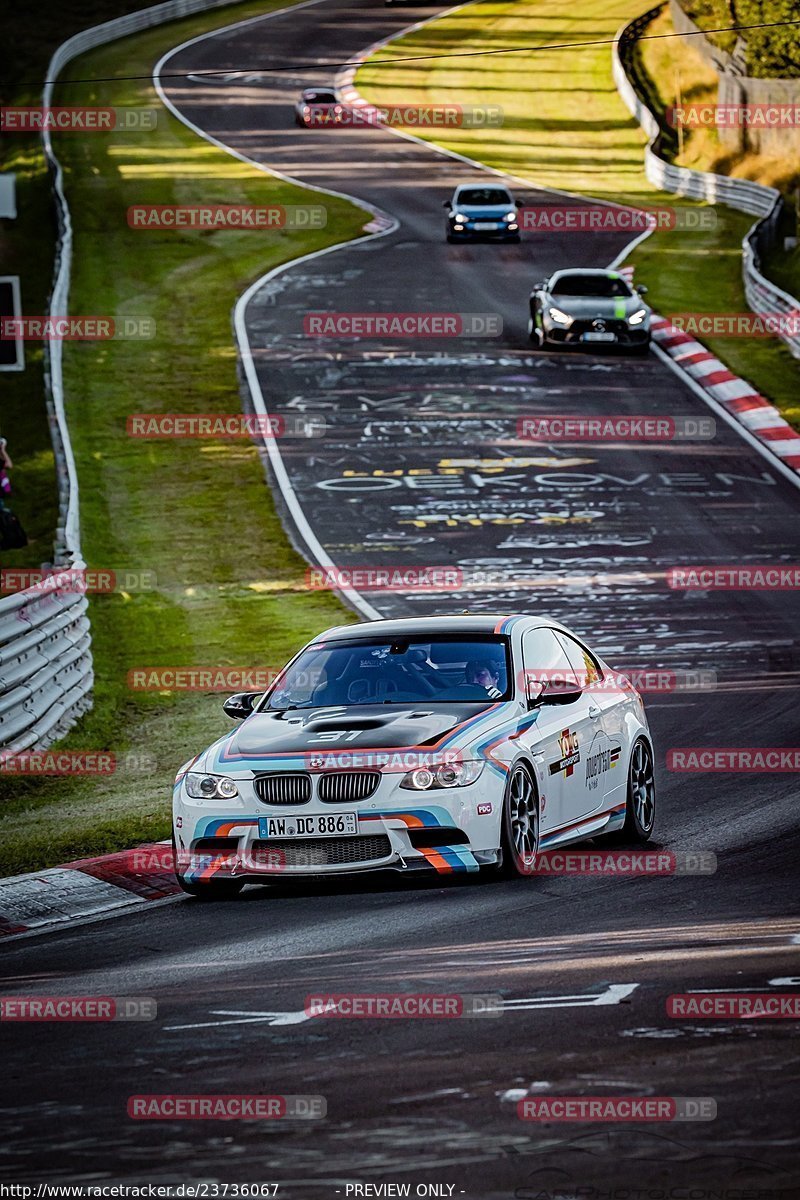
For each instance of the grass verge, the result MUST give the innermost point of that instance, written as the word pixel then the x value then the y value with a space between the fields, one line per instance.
pixel 197 515
pixel 565 127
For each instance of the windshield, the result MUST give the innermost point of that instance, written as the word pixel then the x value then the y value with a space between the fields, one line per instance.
pixel 402 672
pixel 319 97
pixel 589 285
pixel 483 196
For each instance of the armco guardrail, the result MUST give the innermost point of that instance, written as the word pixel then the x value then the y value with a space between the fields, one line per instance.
pixel 45 667
pixel 46 672
pixel 742 194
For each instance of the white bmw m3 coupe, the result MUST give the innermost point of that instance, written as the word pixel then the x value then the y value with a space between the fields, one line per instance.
pixel 442 744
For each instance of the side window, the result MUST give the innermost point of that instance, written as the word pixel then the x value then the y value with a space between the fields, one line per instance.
pixel 544 658
pixel 586 666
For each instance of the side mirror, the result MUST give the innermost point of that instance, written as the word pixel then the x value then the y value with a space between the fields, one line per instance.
pixel 560 692
pixel 445 204
pixel 641 289
pixel 553 691
pixel 520 202
pixel 241 705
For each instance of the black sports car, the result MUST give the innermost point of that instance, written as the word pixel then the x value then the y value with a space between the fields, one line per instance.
pixel 589 307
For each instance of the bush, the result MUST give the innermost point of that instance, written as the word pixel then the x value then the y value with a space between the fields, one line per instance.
pixel 771 53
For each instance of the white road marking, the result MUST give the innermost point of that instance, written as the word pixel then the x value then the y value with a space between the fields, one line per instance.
pixel 613 994
pixel 246 1018
pixel 230 77
pixel 386 224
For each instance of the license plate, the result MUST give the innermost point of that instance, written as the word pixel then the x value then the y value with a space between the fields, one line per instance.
pixel 486 225
pixel 314 825
pixel 598 337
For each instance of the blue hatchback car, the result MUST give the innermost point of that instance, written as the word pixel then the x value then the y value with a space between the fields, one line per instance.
pixel 482 210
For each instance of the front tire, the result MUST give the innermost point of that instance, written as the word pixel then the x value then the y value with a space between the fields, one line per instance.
pixel 640 810
pixel 519 836
pixel 534 332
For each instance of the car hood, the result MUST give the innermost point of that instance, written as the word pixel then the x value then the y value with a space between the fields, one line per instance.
pixel 286 741
pixel 597 306
pixel 492 212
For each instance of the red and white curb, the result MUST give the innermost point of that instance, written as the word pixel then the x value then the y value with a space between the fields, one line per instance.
pixel 735 395
pixel 85 889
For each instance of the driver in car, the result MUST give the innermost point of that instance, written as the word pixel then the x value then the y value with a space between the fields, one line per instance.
pixel 484 674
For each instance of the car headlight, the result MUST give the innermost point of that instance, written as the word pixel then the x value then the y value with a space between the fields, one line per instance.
pixel 561 318
pixel 637 317
pixel 460 218
pixel 210 787
pixel 512 216
pixel 447 775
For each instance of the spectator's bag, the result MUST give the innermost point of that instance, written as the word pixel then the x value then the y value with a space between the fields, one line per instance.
pixel 12 535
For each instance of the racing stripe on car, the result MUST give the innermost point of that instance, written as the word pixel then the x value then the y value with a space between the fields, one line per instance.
pixel 208 866
pixel 562 829
pixel 449 860
pixel 221 826
pixel 414 818
pixel 498 737
pixel 504 625
pixel 436 859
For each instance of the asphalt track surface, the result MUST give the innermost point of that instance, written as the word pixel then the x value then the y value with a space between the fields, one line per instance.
pixel 432 1102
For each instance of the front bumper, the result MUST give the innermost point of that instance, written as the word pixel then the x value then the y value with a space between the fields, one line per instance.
pixel 440 830
pixel 468 232
pixel 573 335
